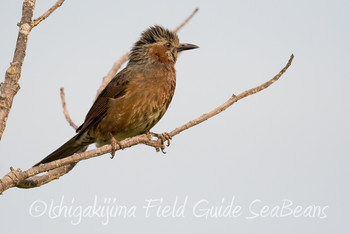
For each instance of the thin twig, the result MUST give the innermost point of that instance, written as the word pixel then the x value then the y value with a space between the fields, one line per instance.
pixel 36 181
pixel 107 78
pixel 15 177
pixel 232 100
pixel 47 13
pixel 186 21
pixel 65 111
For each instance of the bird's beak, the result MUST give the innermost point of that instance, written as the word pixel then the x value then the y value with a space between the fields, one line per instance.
pixel 186 46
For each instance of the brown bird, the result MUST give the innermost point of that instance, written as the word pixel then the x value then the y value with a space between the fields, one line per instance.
pixel 135 99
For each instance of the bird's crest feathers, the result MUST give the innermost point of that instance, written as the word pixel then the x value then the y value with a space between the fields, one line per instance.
pixel 154 34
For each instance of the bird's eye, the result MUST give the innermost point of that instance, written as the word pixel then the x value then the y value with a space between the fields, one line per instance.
pixel 168 45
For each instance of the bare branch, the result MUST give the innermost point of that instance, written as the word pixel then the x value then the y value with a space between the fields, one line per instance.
pixel 186 21
pixel 36 181
pixel 107 78
pixel 65 111
pixel 10 86
pixel 232 100
pixel 15 177
pixel 54 174
pixel 47 13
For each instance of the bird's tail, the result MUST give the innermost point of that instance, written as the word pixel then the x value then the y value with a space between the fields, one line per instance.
pixel 70 147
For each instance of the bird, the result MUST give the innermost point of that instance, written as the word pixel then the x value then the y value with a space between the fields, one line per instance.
pixel 135 99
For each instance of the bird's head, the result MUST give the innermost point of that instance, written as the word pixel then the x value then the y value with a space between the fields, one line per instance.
pixel 158 45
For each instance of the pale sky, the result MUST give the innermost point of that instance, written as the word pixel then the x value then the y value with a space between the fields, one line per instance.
pixel 280 151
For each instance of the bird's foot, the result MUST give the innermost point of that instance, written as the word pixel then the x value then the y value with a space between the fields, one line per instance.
pixel 164 137
pixel 114 144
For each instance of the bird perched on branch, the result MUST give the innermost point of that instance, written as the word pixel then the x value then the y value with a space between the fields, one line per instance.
pixel 135 99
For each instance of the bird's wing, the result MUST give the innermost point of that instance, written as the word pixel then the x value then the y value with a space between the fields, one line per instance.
pixel 115 89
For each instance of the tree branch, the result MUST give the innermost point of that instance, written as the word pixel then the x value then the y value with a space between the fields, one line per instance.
pixel 186 21
pixel 232 100
pixel 107 78
pixel 10 86
pixel 65 111
pixel 47 13
pixel 16 177
pixel 54 174
pixel 36 181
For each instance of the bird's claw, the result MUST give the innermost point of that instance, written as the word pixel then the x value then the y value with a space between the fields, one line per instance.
pixel 164 137
pixel 114 144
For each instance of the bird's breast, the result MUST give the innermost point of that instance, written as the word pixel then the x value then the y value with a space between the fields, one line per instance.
pixel 144 103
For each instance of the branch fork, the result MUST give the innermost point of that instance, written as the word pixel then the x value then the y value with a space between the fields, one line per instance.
pixel 10 86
